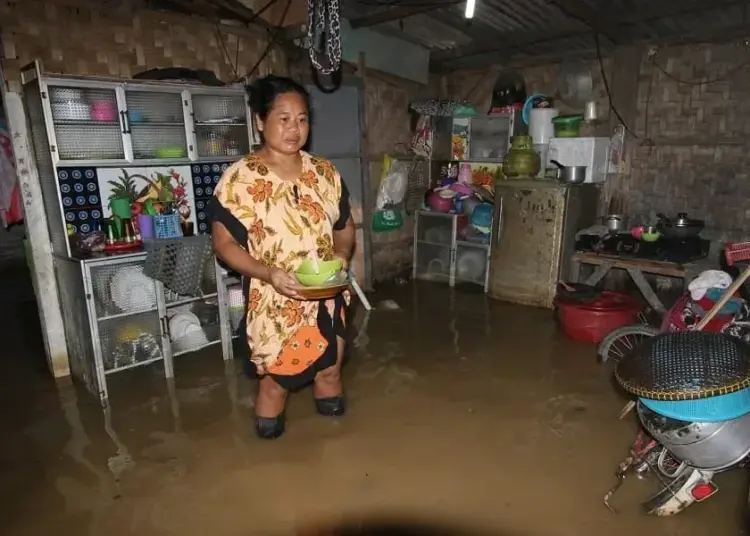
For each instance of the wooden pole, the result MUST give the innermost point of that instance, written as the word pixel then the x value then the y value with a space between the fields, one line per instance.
pixel 35 218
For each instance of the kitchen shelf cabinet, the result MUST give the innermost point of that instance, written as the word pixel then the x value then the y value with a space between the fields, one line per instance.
pixel 119 319
pixel 92 122
pixel 97 139
pixel 483 138
pixel 156 123
pixel 219 118
pixel 441 254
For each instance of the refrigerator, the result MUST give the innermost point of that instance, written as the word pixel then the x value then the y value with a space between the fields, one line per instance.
pixel 536 222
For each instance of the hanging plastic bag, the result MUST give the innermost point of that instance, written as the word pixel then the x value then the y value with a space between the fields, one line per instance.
pixel 391 192
pixel 384 221
pixel 393 184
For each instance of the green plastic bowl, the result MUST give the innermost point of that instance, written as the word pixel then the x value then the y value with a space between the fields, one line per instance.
pixel 567 126
pixel 650 237
pixel 170 152
pixel 306 272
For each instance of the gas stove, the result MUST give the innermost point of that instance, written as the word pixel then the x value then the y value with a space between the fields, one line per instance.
pixel 664 249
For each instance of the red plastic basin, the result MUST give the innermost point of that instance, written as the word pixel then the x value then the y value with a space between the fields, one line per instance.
pixel 592 321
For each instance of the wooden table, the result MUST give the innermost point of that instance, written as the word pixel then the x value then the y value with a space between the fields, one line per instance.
pixel 636 268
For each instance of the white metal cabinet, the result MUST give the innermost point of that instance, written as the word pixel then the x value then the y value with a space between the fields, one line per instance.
pixel 441 255
pixel 484 138
pixel 91 121
pixel 113 324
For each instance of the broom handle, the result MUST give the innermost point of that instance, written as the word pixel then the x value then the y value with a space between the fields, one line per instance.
pixel 734 287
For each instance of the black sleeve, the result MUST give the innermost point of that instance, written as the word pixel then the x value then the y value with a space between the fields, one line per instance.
pixel 344 209
pixel 219 213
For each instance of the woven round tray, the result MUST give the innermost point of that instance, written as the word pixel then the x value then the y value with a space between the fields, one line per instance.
pixel 686 366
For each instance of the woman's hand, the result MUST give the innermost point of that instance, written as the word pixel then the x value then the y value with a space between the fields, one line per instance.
pixel 344 261
pixel 283 283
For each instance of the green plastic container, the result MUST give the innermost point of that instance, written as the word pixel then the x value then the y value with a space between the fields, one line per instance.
pixel 307 276
pixel 120 207
pixel 567 126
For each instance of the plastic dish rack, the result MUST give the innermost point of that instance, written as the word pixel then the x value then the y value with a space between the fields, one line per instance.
pixel 167 226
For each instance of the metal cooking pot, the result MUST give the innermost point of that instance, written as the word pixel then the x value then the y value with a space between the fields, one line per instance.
pixel 569 174
pixel 614 222
pixel 680 227
pixel 704 445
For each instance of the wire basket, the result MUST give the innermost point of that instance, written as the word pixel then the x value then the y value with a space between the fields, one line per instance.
pixel 178 263
pixel 167 226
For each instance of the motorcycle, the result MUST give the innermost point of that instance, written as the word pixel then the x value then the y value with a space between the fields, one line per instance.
pixel 684 457
pixel 680 484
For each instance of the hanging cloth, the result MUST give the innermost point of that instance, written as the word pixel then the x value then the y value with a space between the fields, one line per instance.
pixel 324 35
pixel 10 194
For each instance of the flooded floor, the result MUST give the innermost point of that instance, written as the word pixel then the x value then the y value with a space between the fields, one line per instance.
pixel 462 410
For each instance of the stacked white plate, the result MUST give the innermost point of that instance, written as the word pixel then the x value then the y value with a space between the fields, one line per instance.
pixel 186 332
pixel 132 290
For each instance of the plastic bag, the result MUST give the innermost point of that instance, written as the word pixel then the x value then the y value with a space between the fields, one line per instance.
pixel 384 221
pixel 393 184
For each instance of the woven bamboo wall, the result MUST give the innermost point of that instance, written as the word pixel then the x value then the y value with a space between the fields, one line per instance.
pixel 120 39
pixel 388 122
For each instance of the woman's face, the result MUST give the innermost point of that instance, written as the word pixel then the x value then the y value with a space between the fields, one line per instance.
pixel 287 126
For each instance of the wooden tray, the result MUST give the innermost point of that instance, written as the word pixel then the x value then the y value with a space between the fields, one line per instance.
pixel 322 293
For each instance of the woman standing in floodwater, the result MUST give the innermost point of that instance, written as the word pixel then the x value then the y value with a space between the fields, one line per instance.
pixel 269 211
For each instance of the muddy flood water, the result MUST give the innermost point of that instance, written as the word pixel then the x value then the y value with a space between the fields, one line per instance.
pixel 463 411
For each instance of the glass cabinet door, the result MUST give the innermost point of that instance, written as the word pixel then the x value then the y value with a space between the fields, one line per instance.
pixel 220 125
pixel 156 123
pixel 488 137
pixel 87 123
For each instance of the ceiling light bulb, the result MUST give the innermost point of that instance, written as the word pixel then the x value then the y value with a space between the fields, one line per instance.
pixel 469 13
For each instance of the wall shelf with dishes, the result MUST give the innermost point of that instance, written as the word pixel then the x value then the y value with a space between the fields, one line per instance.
pixel 105 144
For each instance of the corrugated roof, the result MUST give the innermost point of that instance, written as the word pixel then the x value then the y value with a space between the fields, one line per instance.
pixel 509 29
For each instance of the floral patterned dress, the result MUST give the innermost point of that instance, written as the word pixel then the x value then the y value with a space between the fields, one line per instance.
pixel 279 223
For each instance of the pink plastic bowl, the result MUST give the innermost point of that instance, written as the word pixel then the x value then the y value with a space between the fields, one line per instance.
pixel 103 110
pixel 637 231
pixel 439 203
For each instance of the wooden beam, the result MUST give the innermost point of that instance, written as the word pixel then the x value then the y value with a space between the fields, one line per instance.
pixel 397 13
pixel 664 10
pixel 35 218
pixel 240 10
pixel 583 13
pixel 512 42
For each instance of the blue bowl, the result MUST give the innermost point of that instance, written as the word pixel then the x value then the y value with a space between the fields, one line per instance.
pixel 712 409
pixel 528 105
pixel 136 116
